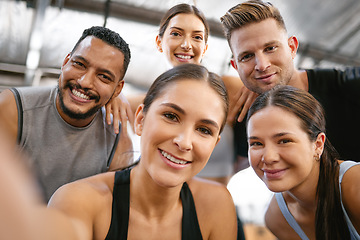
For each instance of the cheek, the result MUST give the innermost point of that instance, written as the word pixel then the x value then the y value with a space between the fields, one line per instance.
pixel 204 149
pixel 254 157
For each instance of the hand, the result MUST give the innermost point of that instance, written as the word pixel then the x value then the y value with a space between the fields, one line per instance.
pixel 241 102
pixel 120 108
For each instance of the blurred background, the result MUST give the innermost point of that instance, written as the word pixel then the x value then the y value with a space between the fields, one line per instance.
pixel 36 35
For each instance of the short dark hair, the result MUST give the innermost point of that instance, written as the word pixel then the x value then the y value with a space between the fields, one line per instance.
pixel 187 71
pixel 110 37
pixel 182 8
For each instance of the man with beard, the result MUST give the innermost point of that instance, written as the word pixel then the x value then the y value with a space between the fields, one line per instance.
pixel 63 129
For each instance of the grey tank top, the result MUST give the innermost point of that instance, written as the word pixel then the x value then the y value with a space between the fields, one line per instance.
pixel 57 152
pixel 344 166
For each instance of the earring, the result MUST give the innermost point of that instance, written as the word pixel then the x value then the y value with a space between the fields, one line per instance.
pixel 317 157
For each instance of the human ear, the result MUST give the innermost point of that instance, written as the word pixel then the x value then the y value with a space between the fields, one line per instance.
pixel 139 119
pixel 119 87
pixel 219 137
pixel 205 49
pixel 158 43
pixel 66 60
pixel 233 63
pixel 293 45
pixel 320 143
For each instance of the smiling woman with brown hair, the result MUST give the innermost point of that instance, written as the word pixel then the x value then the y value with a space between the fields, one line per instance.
pixel 159 198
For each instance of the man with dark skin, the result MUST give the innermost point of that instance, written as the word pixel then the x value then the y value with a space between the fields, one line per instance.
pixel 62 129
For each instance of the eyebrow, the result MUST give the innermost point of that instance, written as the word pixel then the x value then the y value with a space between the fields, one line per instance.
pixel 180 29
pixel 182 111
pixel 77 57
pixel 274 136
pixel 239 56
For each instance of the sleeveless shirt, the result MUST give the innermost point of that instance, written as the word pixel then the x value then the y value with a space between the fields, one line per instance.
pixel 57 152
pixel 344 166
pixel 121 204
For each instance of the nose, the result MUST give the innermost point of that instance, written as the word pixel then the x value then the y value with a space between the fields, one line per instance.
pixel 183 141
pixel 270 155
pixel 262 62
pixel 86 80
pixel 186 44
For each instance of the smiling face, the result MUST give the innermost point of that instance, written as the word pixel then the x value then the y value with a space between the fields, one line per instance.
pixel 183 40
pixel 280 151
pixel 179 131
pixel 263 55
pixel 89 78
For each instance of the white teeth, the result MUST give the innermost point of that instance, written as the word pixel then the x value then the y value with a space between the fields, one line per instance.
pixel 183 56
pixel 172 159
pixel 80 95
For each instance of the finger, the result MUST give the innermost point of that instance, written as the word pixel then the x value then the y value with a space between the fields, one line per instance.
pixel 108 113
pixel 131 117
pixel 124 119
pixel 116 121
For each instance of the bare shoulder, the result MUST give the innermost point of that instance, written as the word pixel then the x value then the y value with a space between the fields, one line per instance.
pixel 84 193
pixel 87 204
pixel 276 222
pixel 231 82
pixel 350 189
pixel 8 115
pixel 203 190
pixel 215 209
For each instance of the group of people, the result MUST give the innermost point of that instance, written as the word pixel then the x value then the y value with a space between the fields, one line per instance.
pixel 93 190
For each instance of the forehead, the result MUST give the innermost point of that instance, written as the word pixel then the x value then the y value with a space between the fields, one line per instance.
pixel 272 120
pixel 196 97
pixel 187 21
pixel 100 54
pixel 256 35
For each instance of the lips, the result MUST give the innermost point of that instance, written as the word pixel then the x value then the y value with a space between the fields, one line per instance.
pixel 183 57
pixel 265 78
pixel 274 173
pixel 80 94
pixel 172 158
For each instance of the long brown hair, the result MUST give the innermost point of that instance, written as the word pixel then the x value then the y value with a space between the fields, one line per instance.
pixel 183 8
pixel 329 220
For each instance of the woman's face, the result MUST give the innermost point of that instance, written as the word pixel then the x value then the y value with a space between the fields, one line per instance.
pixel 179 131
pixel 280 151
pixel 183 40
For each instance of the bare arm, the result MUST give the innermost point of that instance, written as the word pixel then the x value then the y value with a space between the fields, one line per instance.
pixel 240 98
pixel 8 116
pixel 351 195
pixel 124 154
pixel 215 209
pixel 121 110
pixel 23 215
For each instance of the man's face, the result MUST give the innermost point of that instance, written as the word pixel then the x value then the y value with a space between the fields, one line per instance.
pixel 89 78
pixel 263 55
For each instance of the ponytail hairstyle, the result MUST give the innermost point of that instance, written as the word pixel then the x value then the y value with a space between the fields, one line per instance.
pixel 329 219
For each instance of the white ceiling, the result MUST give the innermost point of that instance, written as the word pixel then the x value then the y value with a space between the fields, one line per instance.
pixel 328 30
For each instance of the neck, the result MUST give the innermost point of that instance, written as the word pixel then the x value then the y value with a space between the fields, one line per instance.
pixel 305 193
pixel 149 198
pixel 299 80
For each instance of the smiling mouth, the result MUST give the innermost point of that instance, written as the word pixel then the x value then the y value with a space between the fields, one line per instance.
pixel 265 77
pixel 173 159
pixel 185 57
pixel 79 94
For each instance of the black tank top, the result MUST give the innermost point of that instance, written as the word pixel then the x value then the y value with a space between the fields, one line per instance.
pixel 121 203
